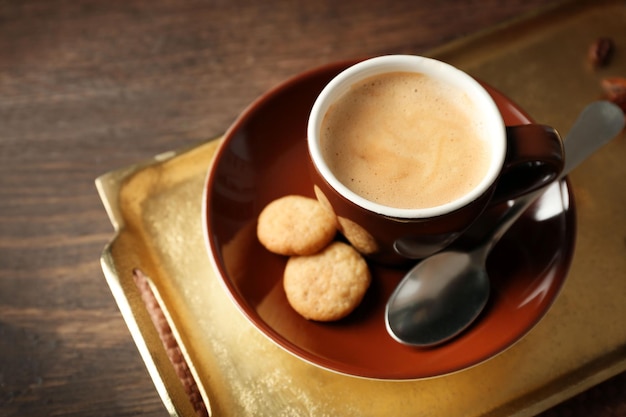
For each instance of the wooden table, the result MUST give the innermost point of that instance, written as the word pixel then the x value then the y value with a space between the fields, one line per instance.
pixel 90 86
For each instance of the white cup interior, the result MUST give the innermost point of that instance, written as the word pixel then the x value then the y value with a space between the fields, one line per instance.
pixel 488 113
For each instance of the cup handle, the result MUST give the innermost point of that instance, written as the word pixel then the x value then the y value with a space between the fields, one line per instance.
pixel 535 157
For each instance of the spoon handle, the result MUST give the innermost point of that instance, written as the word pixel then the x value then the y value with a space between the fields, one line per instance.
pixel 596 125
pixel 510 215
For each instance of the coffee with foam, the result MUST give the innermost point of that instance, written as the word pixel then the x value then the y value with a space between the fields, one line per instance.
pixel 405 140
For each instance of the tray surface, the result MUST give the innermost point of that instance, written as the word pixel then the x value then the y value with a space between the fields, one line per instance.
pixel 156 210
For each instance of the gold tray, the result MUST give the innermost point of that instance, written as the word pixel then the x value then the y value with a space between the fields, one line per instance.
pixel 155 208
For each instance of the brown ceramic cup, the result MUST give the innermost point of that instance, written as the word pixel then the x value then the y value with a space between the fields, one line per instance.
pixel 522 159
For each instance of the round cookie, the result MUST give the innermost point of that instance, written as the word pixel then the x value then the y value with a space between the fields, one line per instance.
pixel 329 285
pixel 358 236
pixel 295 225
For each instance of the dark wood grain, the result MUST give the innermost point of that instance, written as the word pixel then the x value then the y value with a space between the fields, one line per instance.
pixel 88 86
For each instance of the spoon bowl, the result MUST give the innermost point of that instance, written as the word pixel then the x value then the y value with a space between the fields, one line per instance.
pixel 438 321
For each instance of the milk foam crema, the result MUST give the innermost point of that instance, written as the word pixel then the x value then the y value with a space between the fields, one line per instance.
pixel 405 140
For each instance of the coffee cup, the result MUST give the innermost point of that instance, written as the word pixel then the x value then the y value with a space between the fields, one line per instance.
pixel 408 152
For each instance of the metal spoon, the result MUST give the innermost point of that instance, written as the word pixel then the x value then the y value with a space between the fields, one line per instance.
pixel 444 293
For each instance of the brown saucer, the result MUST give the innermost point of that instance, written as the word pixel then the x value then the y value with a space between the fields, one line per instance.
pixel 263 157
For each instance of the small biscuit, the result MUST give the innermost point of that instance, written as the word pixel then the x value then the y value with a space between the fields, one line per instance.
pixel 360 238
pixel 328 285
pixel 295 225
